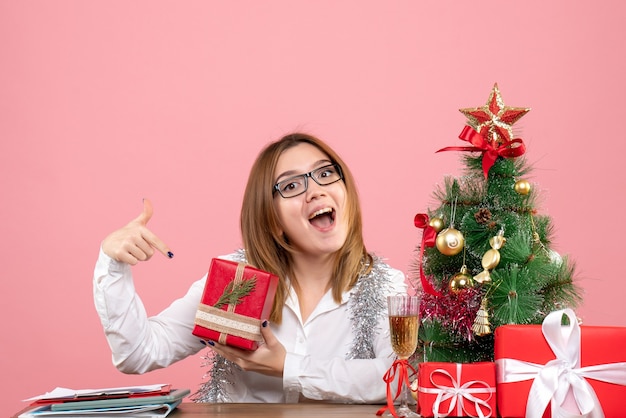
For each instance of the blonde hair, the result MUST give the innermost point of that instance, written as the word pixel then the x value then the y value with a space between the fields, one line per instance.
pixel 267 248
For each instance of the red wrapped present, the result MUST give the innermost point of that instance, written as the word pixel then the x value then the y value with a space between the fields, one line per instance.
pixel 456 390
pixel 236 297
pixel 560 370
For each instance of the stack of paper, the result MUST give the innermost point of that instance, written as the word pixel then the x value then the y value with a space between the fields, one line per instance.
pixel 154 401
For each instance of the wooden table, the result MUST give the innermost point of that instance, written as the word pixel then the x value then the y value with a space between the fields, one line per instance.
pixel 302 410
pixel 244 410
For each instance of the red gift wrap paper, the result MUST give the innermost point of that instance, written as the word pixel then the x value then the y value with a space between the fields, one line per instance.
pixel 456 390
pixel 236 324
pixel 598 346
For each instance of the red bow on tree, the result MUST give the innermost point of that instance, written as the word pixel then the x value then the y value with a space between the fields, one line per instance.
pixel 491 151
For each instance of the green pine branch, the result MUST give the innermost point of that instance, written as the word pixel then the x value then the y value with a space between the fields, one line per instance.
pixel 233 294
pixel 515 296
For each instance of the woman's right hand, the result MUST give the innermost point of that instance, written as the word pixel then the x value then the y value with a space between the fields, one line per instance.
pixel 135 242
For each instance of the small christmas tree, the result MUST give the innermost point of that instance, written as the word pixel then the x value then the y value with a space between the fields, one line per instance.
pixel 485 258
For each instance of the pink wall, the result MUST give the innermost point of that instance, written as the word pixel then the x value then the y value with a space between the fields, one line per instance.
pixel 103 103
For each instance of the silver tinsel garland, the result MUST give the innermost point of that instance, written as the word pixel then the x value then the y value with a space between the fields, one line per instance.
pixel 219 376
pixel 366 306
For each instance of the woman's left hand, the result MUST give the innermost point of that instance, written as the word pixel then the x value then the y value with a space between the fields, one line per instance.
pixel 268 358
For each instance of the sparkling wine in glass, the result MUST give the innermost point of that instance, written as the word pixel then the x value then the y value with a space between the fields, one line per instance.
pixel 403 326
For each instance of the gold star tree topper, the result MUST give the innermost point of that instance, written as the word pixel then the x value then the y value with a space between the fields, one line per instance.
pixel 493 120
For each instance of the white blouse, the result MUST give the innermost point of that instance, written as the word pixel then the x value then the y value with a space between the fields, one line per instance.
pixel 316 367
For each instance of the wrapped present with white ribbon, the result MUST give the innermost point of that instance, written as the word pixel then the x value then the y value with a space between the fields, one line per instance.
pixel 456 389
pixel 560 370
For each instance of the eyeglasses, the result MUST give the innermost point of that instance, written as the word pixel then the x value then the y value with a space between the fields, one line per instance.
pixel 296 185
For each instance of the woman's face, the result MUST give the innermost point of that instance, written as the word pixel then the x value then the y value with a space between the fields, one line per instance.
pixel 314 222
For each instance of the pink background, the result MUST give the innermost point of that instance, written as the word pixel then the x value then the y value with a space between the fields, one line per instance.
pixel 103 103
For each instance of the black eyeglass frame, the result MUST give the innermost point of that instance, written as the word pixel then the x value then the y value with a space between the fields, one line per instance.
pixel 337 167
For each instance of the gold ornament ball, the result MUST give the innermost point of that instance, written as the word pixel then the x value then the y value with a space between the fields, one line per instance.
pixel 450 241
pixel 522 187
pixel 460 281
pixel 436 224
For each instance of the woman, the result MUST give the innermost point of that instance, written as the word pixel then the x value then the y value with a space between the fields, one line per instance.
pixel 327 338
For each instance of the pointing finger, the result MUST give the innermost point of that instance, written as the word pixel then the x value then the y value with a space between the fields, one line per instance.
pixel 157 243
pixel 148 235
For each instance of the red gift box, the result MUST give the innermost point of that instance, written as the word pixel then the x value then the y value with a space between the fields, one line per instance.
pixel 456 390
pixel 550 369
pixel 236 297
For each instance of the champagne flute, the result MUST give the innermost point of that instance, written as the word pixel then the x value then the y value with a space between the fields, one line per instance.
pixel 403 326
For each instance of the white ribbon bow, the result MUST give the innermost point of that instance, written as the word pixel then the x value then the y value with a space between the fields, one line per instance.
pixel 557 377
pixel 457 392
